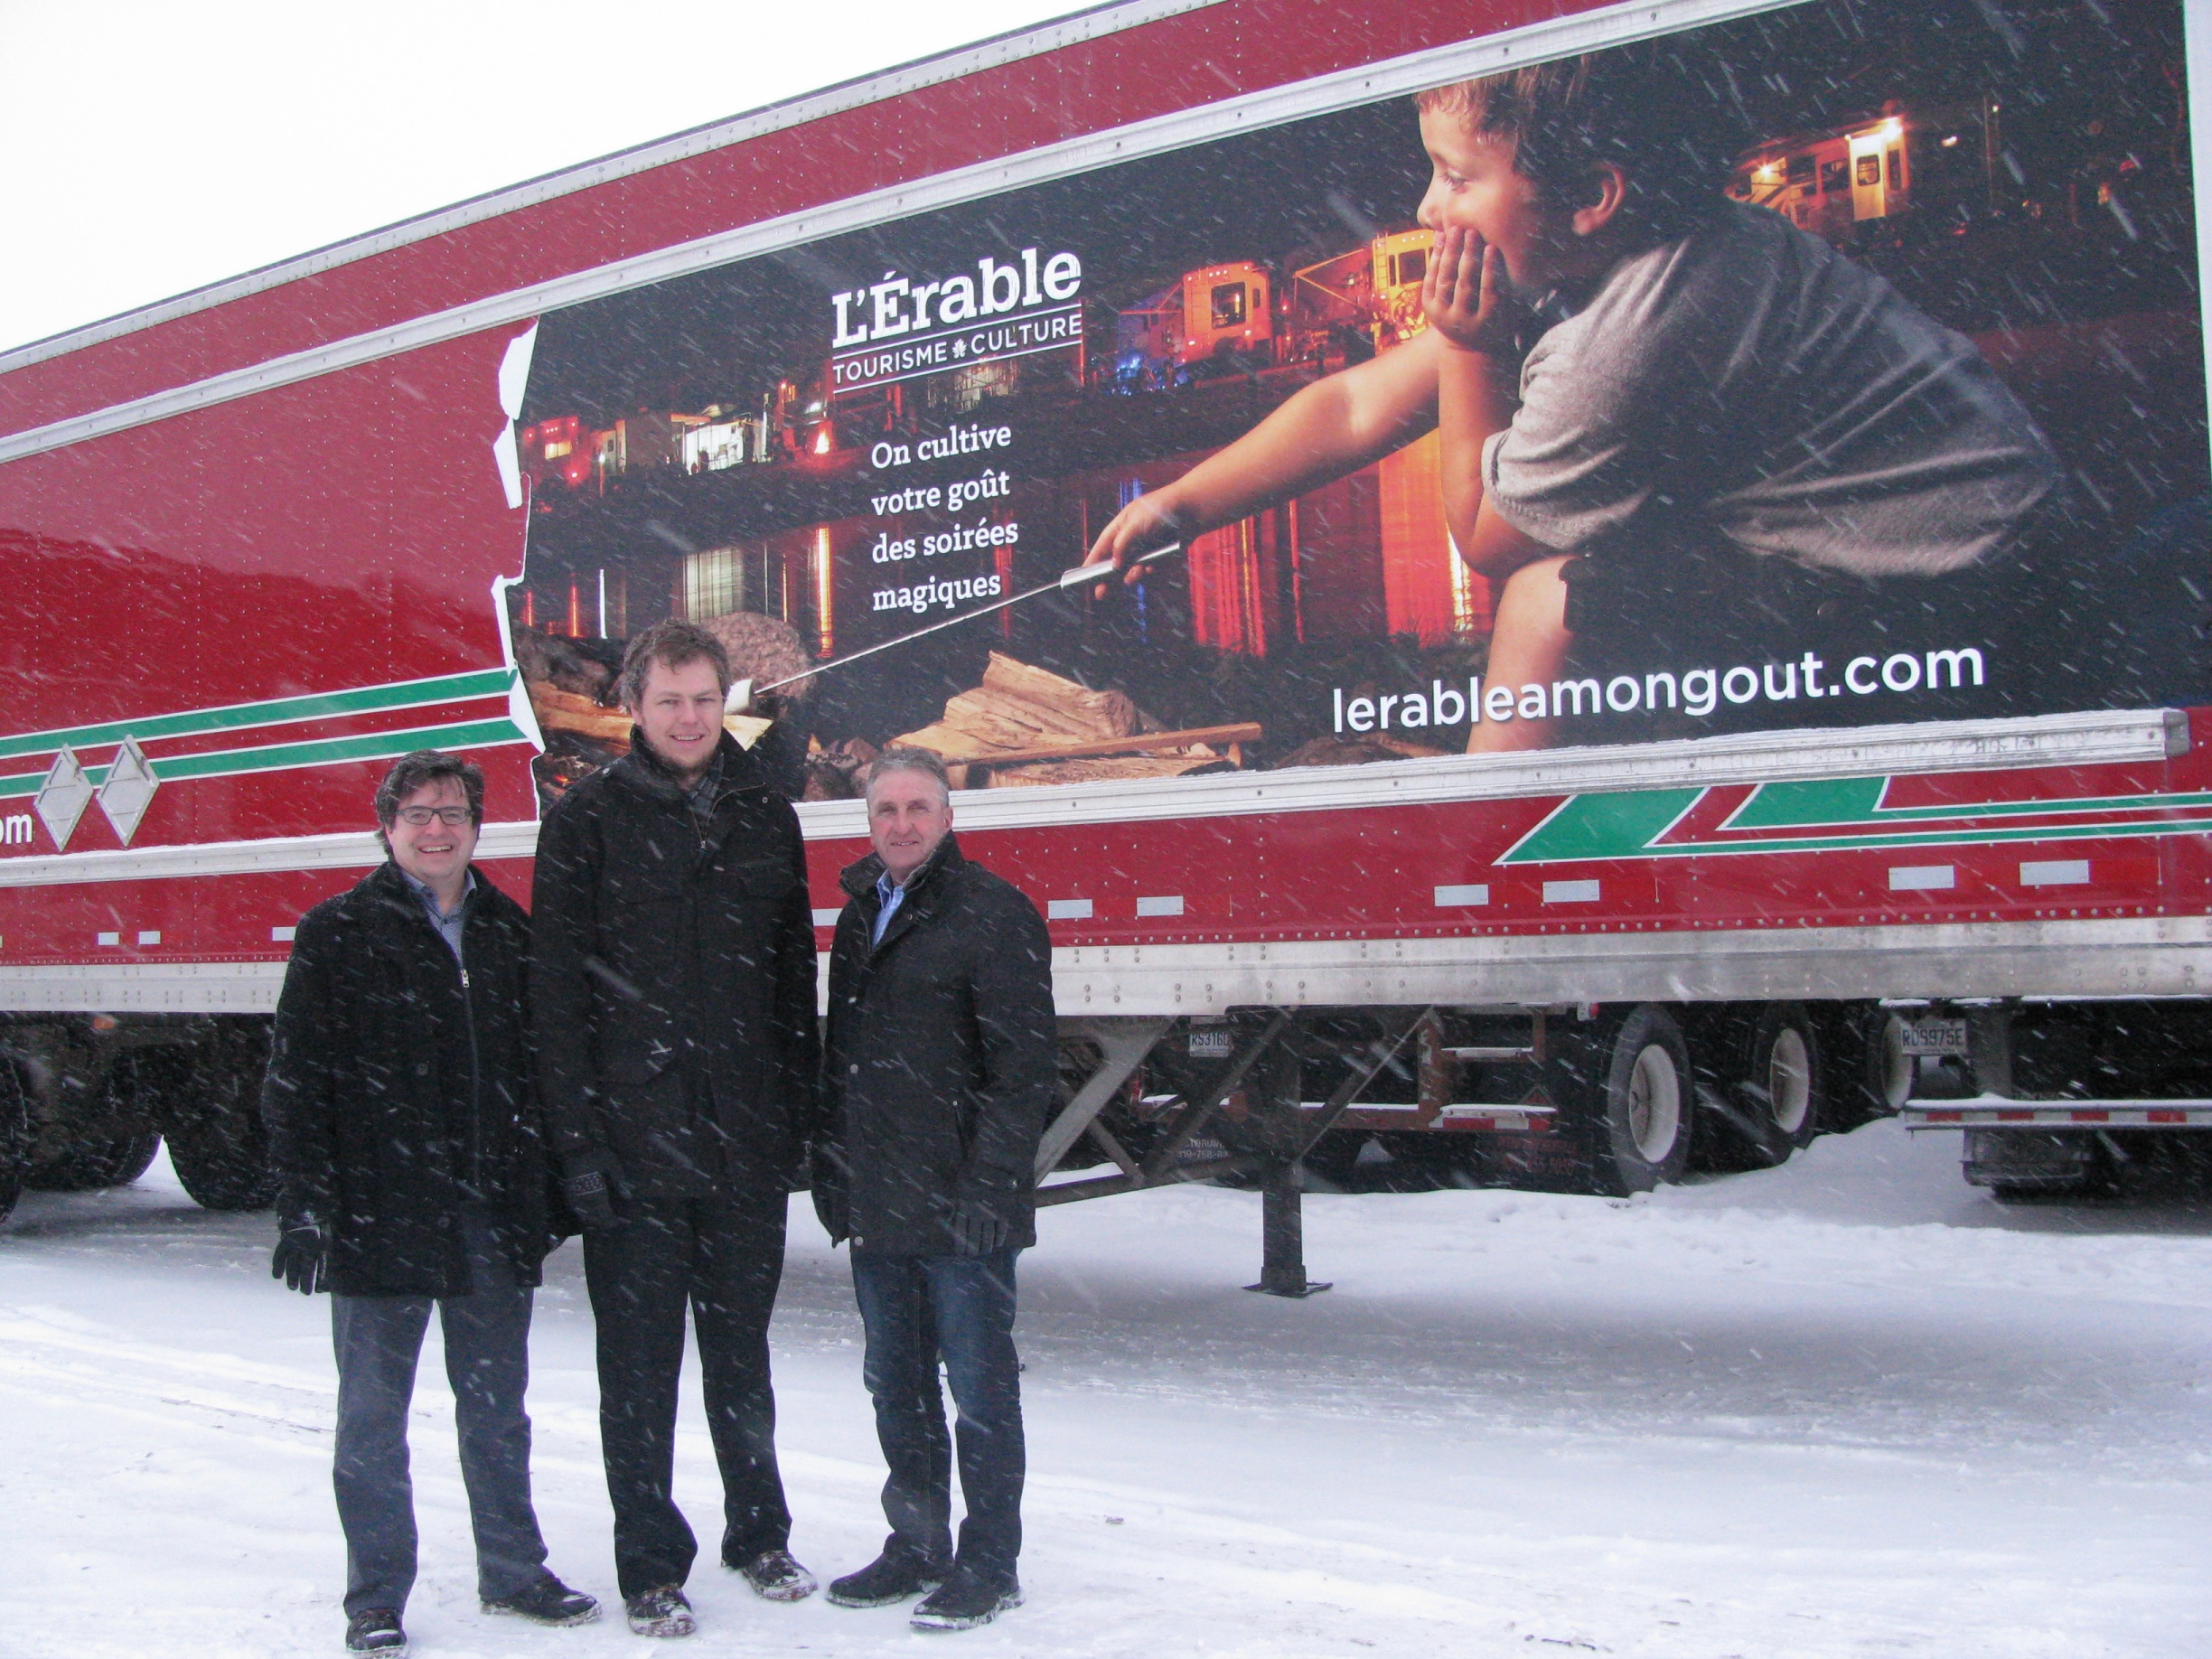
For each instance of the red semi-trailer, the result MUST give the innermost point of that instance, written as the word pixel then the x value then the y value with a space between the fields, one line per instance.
pixel 267 535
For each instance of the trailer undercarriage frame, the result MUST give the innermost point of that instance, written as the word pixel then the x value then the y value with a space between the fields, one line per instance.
pixel 1267 1142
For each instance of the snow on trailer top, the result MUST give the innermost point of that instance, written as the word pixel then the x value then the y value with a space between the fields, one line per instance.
pixel 1086 25
pixel 1062 97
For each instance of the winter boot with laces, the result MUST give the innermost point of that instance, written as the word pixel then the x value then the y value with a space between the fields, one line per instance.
pixel 662 1612
pixel 376 1630
pixel 775 1576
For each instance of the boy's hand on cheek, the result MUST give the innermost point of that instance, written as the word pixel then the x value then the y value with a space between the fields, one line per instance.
pixel 1464 294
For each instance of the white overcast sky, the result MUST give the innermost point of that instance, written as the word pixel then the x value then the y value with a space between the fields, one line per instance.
pixel 155 147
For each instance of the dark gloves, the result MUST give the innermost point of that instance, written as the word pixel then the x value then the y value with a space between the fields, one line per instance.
pixel 832 1191
pixel 592 1183
pixel 977 1230
pixel 301 1258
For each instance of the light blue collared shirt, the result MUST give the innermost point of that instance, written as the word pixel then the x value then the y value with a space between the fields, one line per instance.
pixel 889 897
pixel 448 927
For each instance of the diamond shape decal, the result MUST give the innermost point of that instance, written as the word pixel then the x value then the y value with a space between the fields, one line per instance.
pixel 62 800
pixel 129 789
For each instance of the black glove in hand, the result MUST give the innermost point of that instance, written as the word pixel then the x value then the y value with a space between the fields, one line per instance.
pixel 591 1183
pixel 832 1192
pixel 301 1258
pixel 976 1230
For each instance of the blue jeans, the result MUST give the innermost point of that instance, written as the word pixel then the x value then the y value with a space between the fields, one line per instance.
pixel 918 1309
pixel 379 1339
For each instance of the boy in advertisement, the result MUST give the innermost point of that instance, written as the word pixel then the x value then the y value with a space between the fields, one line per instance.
pixel 1725 441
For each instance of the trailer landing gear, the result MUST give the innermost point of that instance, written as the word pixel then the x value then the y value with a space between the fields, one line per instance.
pixel 1260 1128
pixel 1283 1236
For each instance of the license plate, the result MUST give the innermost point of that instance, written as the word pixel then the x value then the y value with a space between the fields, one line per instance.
pixel 1934 1036
pixel 1217 1045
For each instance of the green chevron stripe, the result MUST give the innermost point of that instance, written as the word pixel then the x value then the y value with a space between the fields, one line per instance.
pixel 1618 825
pixel 1933 837
pixel 232 716
pixel 1820 800
pixel 319 751
pixel 1835 802
pixel 1586 829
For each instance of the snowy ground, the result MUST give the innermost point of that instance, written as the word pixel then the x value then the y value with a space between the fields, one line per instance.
pixel 1848 1407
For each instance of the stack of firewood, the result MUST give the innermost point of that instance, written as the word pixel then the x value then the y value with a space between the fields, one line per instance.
pixel 564 711
pixel 1026 725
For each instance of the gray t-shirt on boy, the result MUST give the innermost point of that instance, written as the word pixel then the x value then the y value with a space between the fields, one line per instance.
pixel 1748 382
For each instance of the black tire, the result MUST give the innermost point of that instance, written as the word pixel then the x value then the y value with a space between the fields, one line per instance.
pixel 218 1144
pixel 1631 1079
pixel 1781 1080
pixel 1762 1085
pixel 1869 1075
pixel 103 1160
pixel 14 1136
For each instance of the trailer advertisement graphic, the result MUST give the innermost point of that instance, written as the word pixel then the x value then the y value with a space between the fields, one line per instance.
pixel 1758 521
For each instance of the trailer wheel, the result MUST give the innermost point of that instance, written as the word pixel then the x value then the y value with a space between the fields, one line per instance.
pixel 1869 1075
pixel 1890 1071
pixel 1639 1102
pixel 218 1144
pixel 1782 1075
pixel 14 1136
pixel 1762 1091
pixel 101 1160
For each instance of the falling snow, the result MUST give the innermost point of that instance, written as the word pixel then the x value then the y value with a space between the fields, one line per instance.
pixel 1847 1407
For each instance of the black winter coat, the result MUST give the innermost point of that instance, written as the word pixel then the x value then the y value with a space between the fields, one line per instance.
pixel 396 1094
pixel 673 979
pixel 944 1058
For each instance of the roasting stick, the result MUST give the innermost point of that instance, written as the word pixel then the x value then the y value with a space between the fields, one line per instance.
pixel 742 693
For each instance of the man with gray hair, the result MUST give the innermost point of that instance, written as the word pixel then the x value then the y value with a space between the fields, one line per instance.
pixel 941 1064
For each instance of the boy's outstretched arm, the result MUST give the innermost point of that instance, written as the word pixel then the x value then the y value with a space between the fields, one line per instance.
pixel 1336 426
pixel 1471 322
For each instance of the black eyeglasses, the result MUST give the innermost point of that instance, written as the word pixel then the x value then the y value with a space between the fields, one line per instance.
pixel 452 818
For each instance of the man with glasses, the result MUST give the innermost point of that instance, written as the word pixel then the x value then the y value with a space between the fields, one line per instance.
pixel 412 1168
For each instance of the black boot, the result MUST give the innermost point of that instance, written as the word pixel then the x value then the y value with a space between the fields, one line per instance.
pixel 548 1601
pixel 968 1599
pixel 376 1630
pixel 892 1576
pixel 662 1612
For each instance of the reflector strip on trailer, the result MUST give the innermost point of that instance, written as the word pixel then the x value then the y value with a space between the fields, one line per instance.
pixel 1991 1113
